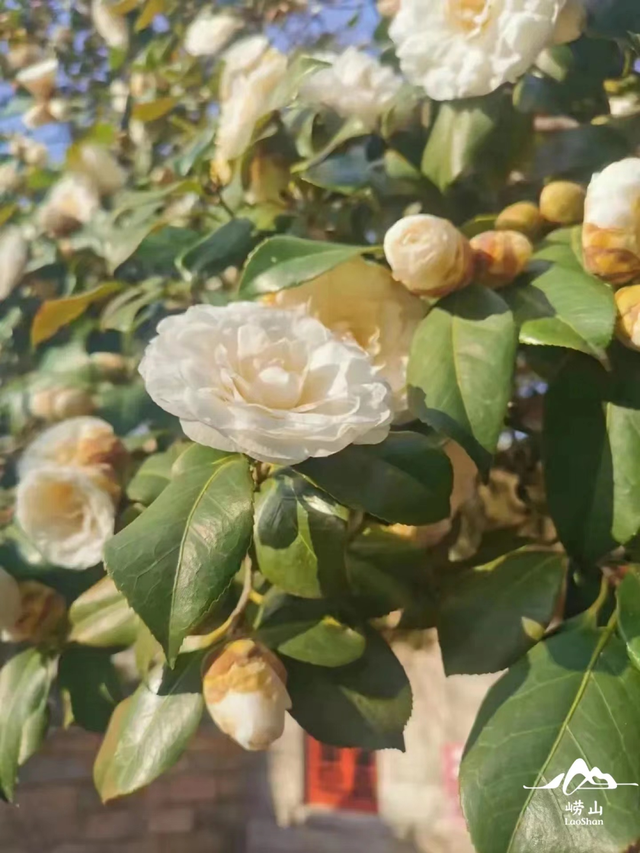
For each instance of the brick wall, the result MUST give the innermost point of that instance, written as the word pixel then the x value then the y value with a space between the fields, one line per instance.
pixel 198 807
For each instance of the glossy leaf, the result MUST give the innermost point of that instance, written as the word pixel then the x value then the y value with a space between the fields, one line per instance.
pixel 565 307
pixel 101 618
pixel 407 478
pixel 365 704
pixel 493 614
pixel 300 537
pixel 25 680
pixel 629 613
pixel 574 697
pixel 227 246
pixel 592 461
pixel 153 476
pixel 461 367
pixel 304 631
pixel 282 262
pixel 89 678
pixel 150 730
pixel 175 560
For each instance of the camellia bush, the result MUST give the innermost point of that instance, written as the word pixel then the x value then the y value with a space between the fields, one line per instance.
pixel 304 349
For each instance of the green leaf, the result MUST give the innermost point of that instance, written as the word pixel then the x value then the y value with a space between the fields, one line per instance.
pixel 175 560
pixel 592 461
pixel 471 135
pixel 573 697
pixel 282 262
pixel 101 618
pixel 152 110
pixel 365 704
pixel 565 307
pixel 407 478
pixel 304 631
pixel 629 613
pixel 153 476
pixel 89 677
pixel 387 571
pixel 25 681
pixel 461 368
pixel 150 730
pixel 493 614
pixel 300 537
pixel 227 246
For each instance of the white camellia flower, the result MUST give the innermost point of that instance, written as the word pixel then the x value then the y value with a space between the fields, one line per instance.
pixel 241 58
pixel 464 48
pixel 101 167
pixel 111 27
pixel 68 513
pixel 39 79
pixel 274 384
pixel 10 601
pixel 611 231
pixel 253 95
pixel 78 442
pixel 354 85
pixel 246 695
pixel 571 22
pixel 360 302
pixel 72 202
pixel 13 259
pixel 209 32
pixel 428 255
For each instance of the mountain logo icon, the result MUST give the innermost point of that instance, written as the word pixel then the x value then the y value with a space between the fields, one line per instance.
pixel 581 778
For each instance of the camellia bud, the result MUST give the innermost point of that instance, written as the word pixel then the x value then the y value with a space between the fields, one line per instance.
pixel 42 614
pixel 57 404
pixel 245 692
pixel 562 203
pixel 628 322
pixel 611 231
pixel 524 216
pixel 500 256
pixel 428 255
pixel 109 365
pixel 10 601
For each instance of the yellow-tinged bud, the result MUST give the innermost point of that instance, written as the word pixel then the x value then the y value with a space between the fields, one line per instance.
pixel 611 231
pixel 628 322
pixel 42 614
pixel 109 365
pixel 562 203
pixel 524 216
pixel 246 695
pixel 428 255
pixel 500 256
pixel 57 404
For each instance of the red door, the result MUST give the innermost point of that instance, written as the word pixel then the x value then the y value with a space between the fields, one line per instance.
pixel 342 779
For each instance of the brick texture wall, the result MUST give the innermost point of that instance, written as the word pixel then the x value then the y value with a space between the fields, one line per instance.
pixel 198 807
